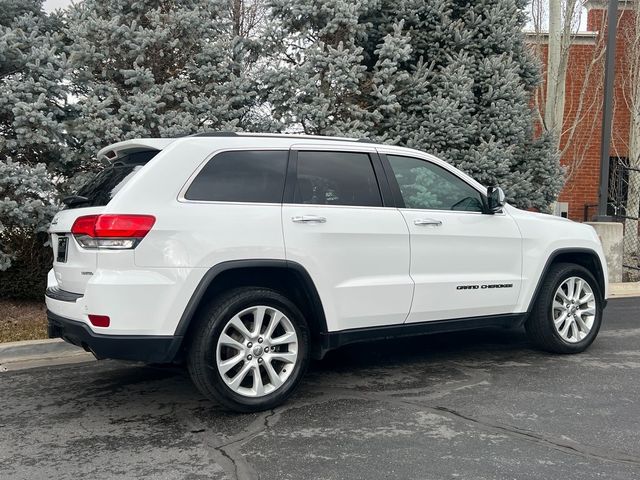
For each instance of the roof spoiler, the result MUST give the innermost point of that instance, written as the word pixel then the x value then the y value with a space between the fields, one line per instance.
pixel 116 150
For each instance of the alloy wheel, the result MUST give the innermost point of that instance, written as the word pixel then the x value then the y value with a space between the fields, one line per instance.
pixel 574 309
pixel 257 351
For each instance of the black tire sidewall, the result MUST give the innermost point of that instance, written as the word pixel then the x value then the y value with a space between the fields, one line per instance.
pixel 560 275
pixel 219 315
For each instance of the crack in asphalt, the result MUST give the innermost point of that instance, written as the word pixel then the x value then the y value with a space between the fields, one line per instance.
pixel 227 453
pixel 565 446
pixel 231 449
pixel 243 470
pixel 238 465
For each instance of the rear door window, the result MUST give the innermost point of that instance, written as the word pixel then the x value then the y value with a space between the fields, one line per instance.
pixel 241 176
pixel 336 178
pixel 102 188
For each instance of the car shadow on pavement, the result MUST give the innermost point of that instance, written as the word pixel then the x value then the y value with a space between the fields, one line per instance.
pixel 442 346
pixel 355 360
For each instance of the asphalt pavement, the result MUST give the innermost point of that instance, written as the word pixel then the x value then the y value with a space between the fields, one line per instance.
pixel 475 405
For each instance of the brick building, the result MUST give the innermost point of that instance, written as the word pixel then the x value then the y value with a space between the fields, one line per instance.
pixel 581 137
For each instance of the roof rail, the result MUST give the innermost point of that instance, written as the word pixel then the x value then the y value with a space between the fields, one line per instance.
pixel 214 134
pixel 280 135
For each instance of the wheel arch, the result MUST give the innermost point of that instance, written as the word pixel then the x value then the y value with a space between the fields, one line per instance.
pixel 584 257
pixel 287 277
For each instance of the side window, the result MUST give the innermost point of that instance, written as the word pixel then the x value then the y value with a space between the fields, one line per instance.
pixel 428 186
pixel 241 176
pixel 336 178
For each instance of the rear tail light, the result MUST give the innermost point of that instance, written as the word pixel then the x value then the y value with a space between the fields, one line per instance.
pixel 111 231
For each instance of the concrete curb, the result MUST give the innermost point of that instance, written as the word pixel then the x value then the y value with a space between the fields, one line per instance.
pixel 35 353
pixel 628 289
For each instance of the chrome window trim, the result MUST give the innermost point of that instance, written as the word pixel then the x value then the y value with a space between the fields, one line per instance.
pixel 463 212
pixel 315 205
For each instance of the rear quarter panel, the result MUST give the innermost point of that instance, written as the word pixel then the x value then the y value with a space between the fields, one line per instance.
pixel 191 234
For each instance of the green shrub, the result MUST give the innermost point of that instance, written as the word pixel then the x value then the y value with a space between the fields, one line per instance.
pixel 26 278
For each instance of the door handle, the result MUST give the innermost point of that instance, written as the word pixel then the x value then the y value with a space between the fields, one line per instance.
pixel 308 219
pixel 421 222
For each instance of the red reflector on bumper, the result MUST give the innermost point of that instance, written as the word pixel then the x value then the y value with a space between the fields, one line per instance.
pixel 99 320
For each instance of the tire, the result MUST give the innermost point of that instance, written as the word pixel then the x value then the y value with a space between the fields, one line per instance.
pixel 551 304
pixel 269 376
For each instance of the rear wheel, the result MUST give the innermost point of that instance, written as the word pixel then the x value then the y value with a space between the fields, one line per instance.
pixel 250 350
pixel 568 311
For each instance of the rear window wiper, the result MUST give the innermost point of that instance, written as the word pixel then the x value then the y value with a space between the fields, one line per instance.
pixel 72 200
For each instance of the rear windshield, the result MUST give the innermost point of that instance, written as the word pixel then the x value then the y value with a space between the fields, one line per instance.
pixel 102 188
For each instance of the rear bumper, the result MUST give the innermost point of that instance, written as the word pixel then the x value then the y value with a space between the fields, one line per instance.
pixel 139 302
pixel 141 348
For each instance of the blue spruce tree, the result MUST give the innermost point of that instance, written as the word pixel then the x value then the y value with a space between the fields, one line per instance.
pixel 33 110
pixel 154 68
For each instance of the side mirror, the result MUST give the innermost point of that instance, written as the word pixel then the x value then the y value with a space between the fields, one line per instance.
pixel 495 197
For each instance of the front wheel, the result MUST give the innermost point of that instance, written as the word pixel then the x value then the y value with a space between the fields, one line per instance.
pixel 250 350
pixel 568 311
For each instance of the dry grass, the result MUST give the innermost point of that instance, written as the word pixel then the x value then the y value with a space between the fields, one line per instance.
pixel 22 320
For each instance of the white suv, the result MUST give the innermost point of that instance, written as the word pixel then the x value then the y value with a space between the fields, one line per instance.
pixel 245 255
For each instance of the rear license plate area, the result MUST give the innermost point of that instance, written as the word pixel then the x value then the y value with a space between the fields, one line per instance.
pixel 63 245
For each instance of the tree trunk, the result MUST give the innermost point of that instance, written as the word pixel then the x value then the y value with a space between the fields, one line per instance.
pixel 554 102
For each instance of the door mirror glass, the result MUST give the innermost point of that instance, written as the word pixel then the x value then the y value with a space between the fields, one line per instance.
pixel 496 200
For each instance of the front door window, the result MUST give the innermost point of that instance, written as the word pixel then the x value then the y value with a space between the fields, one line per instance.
pixel 427 186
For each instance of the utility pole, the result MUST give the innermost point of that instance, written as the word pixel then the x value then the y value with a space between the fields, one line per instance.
pixel 607 110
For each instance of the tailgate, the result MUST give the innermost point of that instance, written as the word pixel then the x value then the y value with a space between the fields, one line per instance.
pixel 73 265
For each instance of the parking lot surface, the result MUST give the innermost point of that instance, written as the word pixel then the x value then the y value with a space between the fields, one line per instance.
pixel 475 405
